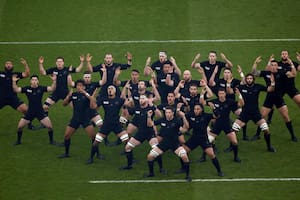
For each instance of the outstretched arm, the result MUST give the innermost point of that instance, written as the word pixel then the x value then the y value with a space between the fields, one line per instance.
pixel 14 84
pixel 255 72
pixel 26 73
pixel 228 62
pixel 53 86
pixel 177 70
pixel 194 62
pixel 41 65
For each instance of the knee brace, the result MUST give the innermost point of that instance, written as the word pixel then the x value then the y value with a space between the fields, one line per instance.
pixel 124 137
pixel 182 153
pixel 123 120
pixel 99 122
pixel 99 138
pixel 153 153
pixel 264 126
pixel 236 127
pixel 211 138
pixel 130 144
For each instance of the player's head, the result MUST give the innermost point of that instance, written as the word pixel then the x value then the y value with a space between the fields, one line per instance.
pixel 284 55
pixel 8 65
pixel 171 98
pixel 169 113
pixel 87 77
pixel 187 76
pixel 143 100
pixel 212 56
pixel 198 109
pixel 108 59
pixel 273 66
pixel 167 67
pixel 227 73
pixel 222 94
pixel 135 74
pixel 79 85
pixel 249 79
pixel 34 81
pixel 162 56
pixel 60 62
pixel 141 85
pixel 111 91
pixel 193 89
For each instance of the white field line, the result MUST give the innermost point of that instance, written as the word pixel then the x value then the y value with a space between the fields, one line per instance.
pixel 195 180
pixel 148 41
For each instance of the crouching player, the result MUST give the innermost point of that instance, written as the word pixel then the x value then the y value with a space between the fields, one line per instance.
pixel 170 133
pixel 198 121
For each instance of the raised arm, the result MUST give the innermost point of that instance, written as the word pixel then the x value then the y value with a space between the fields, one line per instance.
pixel 242 75
pixel 147 69
pixel 26 72
pixel 66 101
pixel 194 62
pixel 241 101
pixel 228 62
pixel 155 91
pixel 53 86
pixel 116 79
pixel 150 122
pixel 80 66
pixel 14 84
pixel 129 58
pixel 254 71
pixel 211 81
pixel 41 65
pixel 271 87
pixel 208 91
pixel 88 59
pixel 177 70
pixel 104 75
pixel 185 121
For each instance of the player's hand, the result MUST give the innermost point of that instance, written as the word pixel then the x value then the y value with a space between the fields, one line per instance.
pixel 223 56
pixel 103 69
pixel 181 84
pixel 197 56
pixel 298 56
pixel 180 114
pixel 41 60
pixel 128 56
pixel 203 83
pixel 172 59
pixel 70 68
pixel 88 57
pixel 239 69
pixel 81 58
pixel 258 60
pixel 148 60
pixel 15 78
pixel 53 77
pixel 150 113
pixel 23 61
pixel 95 92
pixel 271 58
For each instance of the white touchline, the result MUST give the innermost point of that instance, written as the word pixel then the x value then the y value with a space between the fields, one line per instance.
pixel 149 41
pixel 195 180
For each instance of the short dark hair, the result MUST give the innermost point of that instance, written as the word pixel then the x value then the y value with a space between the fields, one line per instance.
pixel 79 81
pixel 168 63
pixel 212 52
pixel 34 76
pixel 87 72
pixel 274 61
pixel 60 57
pixel 221 89
pixel 169 108
pixel 135 70
pixel 250 74
pixel 227 68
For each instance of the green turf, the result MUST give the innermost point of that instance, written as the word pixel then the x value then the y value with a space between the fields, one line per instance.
pixel 32 171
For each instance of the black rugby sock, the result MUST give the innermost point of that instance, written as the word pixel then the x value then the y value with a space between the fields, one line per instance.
pixel 216 164
pixel 290 128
